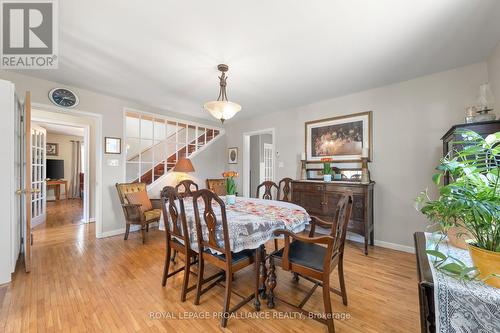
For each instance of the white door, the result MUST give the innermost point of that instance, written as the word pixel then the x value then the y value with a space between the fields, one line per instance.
pixel 38 172
pixel 268 166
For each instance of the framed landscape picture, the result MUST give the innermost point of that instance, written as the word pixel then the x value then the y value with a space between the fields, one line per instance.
pixel 52 149
pixel 339 138
pixel 232 155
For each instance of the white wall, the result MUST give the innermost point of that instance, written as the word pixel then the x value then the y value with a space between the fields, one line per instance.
pixel 494 77
pixel 111 111
pixel 409 119
pixel 9 232
pixel 65 154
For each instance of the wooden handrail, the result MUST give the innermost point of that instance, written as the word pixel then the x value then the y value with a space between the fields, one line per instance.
pixel 215 133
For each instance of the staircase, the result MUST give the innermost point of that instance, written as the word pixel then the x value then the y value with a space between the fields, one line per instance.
pixel 161 157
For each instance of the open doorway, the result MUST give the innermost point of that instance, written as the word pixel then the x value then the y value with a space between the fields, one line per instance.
pixel 59 171
pixel 258 159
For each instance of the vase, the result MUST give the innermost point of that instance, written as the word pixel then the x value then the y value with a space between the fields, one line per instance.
pixel 487 262
pixel 458 236
pixel 327 178
pixel 230 199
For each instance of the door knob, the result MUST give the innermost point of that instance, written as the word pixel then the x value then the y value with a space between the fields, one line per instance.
pixel 35 190
pixel 19 191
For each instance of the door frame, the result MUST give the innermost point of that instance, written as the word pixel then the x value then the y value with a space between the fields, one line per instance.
pixel 98 155
pixel 86 152
pixel 246 156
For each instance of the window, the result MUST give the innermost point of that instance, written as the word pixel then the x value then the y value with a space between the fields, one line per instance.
pixel 154 143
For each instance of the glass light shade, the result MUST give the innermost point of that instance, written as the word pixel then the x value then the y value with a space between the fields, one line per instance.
pixel 485 98
pixel 222 109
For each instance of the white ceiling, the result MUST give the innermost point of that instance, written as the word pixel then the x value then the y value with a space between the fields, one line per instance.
pixel 61 129
pixel 281 53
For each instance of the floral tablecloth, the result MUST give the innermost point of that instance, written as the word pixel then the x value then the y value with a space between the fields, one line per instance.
pixel 251 222
pixel 470 306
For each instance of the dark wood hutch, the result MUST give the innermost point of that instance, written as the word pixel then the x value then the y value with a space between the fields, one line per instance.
pixel 483 128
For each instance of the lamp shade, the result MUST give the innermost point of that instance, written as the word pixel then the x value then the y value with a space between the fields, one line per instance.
pixel 184 165
pixel 222 110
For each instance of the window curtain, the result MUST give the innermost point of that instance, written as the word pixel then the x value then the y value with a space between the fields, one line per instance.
pixel 76 168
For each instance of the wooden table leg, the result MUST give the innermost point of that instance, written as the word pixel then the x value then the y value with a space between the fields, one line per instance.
pixel 257 279
pixel 58 192
pixel 66 189
pixel 263 272
pixel 271 283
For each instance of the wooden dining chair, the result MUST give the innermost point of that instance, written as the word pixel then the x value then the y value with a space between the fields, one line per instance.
pixel 268 195
pixel 216 238
pixel 285 189
pixel 184 188
pixel 268 186
pixel 177 238
pixel 311 259
pixel 217 185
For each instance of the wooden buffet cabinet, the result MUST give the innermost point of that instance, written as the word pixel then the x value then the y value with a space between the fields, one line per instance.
pixel 320 199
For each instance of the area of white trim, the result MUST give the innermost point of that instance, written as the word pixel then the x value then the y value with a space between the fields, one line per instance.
pixel 393 246
pixel 112 233
pixel 121 231
pixel 246 156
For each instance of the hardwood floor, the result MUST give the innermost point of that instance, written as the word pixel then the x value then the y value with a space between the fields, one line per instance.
pixel 82 284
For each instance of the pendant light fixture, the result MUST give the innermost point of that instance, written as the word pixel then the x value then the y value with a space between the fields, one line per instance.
pixel 222 109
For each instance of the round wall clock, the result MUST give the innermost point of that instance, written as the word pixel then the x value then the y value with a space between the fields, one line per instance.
pixel 63 97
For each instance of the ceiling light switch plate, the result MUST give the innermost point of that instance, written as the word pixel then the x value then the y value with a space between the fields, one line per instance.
pixel 113 162
pixel 281 165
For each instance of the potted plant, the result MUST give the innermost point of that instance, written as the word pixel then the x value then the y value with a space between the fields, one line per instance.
pixel 470 201
pixel 327 169
pixel 230 186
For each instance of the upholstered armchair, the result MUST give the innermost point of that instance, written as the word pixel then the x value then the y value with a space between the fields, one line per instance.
pixel 137 207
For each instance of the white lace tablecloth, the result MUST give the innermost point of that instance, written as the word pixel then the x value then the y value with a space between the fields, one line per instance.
pixel 461 307
pixel 251 222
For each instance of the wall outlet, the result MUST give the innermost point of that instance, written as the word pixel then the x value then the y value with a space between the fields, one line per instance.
pixel 281 165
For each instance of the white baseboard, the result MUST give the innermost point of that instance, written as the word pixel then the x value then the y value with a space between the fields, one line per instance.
pixel 111 233
pixel 387 245
pixel 394 246
pixel 121 231
pixel 350 236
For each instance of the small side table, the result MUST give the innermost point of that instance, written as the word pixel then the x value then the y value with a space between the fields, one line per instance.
pixel 56 185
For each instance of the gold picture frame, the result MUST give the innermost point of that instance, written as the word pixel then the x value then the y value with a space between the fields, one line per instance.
pixel 358 123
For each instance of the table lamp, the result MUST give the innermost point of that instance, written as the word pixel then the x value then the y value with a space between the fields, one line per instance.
pixel 183 165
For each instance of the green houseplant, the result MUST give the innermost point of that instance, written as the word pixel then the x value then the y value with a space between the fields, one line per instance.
pixel 327 169
pixel 230 186
pixel 471 201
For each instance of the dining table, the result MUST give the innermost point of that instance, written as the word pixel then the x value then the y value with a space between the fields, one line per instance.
pixel 251 224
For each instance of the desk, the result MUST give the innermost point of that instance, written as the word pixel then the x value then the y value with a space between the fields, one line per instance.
pixel 56 185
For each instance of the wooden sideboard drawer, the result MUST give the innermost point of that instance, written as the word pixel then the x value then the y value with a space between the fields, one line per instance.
pixel 309 187
pixel 341 188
